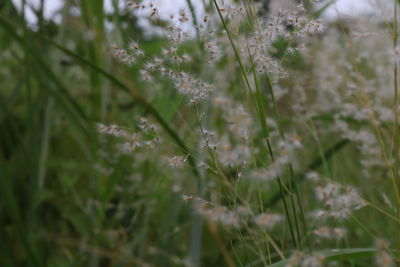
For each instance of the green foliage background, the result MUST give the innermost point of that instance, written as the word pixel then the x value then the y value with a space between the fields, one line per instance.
pixel 57 82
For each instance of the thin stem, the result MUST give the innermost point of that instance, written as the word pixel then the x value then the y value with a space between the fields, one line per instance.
pixel 396 110
pixel 243 71
pixel 396 100
pixel 292 185
pixel 382 211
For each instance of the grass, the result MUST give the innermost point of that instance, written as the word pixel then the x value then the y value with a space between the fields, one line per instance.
pixel 70 197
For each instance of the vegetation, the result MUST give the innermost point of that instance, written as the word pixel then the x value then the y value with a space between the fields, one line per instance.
pixel 237 136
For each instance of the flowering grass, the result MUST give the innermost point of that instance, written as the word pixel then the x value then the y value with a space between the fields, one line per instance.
pixel 241 137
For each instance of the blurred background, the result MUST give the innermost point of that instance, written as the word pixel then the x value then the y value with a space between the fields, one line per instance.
pixel 65 198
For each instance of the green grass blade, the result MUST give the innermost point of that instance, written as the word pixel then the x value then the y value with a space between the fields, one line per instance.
pixel 339 255
pixel 45 143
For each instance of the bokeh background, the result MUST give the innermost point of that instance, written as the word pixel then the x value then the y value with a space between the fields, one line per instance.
pixel 65 198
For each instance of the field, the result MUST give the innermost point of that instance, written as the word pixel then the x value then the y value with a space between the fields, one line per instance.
pixel 240 135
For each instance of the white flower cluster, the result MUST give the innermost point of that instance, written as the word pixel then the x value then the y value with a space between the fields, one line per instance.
pixel 339 201
pixel 267 220
pixel 299 259
pixel 330 233
pixel 129 56
pixel 177 162
pixel 195 89
pixel 217 214
pixel 234 218
pixel 383 258
pixel 259 46
pixel 133 141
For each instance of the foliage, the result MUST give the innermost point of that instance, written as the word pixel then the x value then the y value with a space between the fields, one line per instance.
pixel 251 139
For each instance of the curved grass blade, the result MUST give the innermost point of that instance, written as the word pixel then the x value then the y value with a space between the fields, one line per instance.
pixel 135 96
